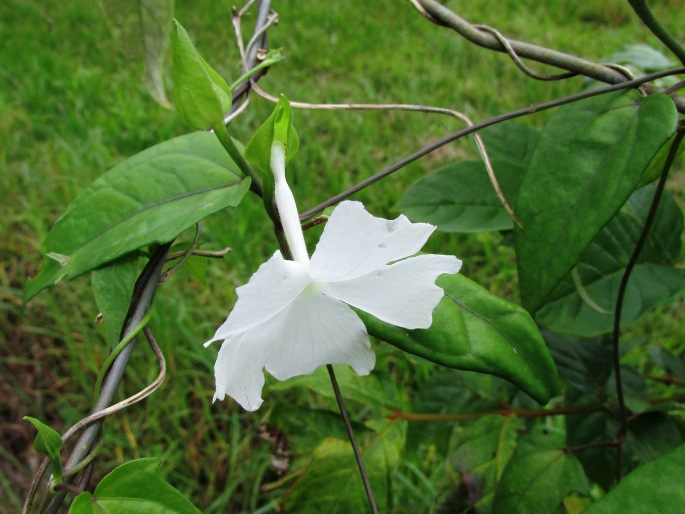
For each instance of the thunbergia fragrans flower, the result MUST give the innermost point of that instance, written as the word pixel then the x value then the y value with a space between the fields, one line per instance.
pixel 295 316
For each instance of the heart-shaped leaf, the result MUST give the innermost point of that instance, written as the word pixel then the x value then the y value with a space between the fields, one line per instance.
pixel 135 487
pixel 590 157
pixel 584 301
pixel 655 487
pixel 460 197
pixel 538 476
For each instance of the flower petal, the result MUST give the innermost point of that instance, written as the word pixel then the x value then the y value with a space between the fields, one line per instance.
pixel 355 243
pixel 238 370
pixel 320 330
pixel 402 294
pixel 271 289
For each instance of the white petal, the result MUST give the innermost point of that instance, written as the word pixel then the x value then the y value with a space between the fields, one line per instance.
pixel 238 371
pixel 320 330
pixel 402 294
pixel 355 243
pixel 271 289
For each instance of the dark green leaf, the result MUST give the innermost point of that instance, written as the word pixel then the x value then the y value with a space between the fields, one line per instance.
pixel 201 95
pixel 451 391
pixel 652 435
pixel 49 443
pixel 583 302
pixel 331 481
pixel 510 141
pixel 482 451
pixel 656 167
pixel 538 476
pixel 310 427
pixel 143 29
pixel 139 480
pixel 477 331
pixel 667 361
pixel 113 288
pixel 461 198
pixel 584 364
pixel 654 487
pixel 588 428
pixel 150 198
pixel 590 157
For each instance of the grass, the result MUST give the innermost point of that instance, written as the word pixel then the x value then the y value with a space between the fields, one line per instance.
pixel 73 106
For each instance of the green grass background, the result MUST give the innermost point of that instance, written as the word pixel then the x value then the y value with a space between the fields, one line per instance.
pixel 72 106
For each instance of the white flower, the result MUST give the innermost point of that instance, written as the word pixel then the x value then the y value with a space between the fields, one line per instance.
pixel 294 316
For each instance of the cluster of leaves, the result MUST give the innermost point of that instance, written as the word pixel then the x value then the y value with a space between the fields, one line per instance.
pixel 581 191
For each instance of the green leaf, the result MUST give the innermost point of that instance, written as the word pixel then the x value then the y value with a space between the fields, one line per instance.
pixel 142 29
pixel 590 157
pixel 510 141
pixel 538 476
pixel 584 364
pixel 113 289
pixel 653 434
pixel 644 57
pixel 583 302
pixel 656 167
pixel 134 487
pixel 82 504
pixel 201 95
pixel 150 198
pixel 460 197
pixel 310 427
pixel 482 451
pixel 475 330
pixel 668 361
pixel 49 443
pixel 599 462
pixel 654 487
pixel 331 482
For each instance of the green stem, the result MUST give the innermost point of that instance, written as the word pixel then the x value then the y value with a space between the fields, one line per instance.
pixel 353 440
pixel 643 11
pixel 224 137
pixel 118 349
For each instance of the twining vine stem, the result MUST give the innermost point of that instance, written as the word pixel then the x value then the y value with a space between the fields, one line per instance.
pixel 623 413
pixel 608 73
pixel 143 295
pixel 479 126
pixel 647 16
